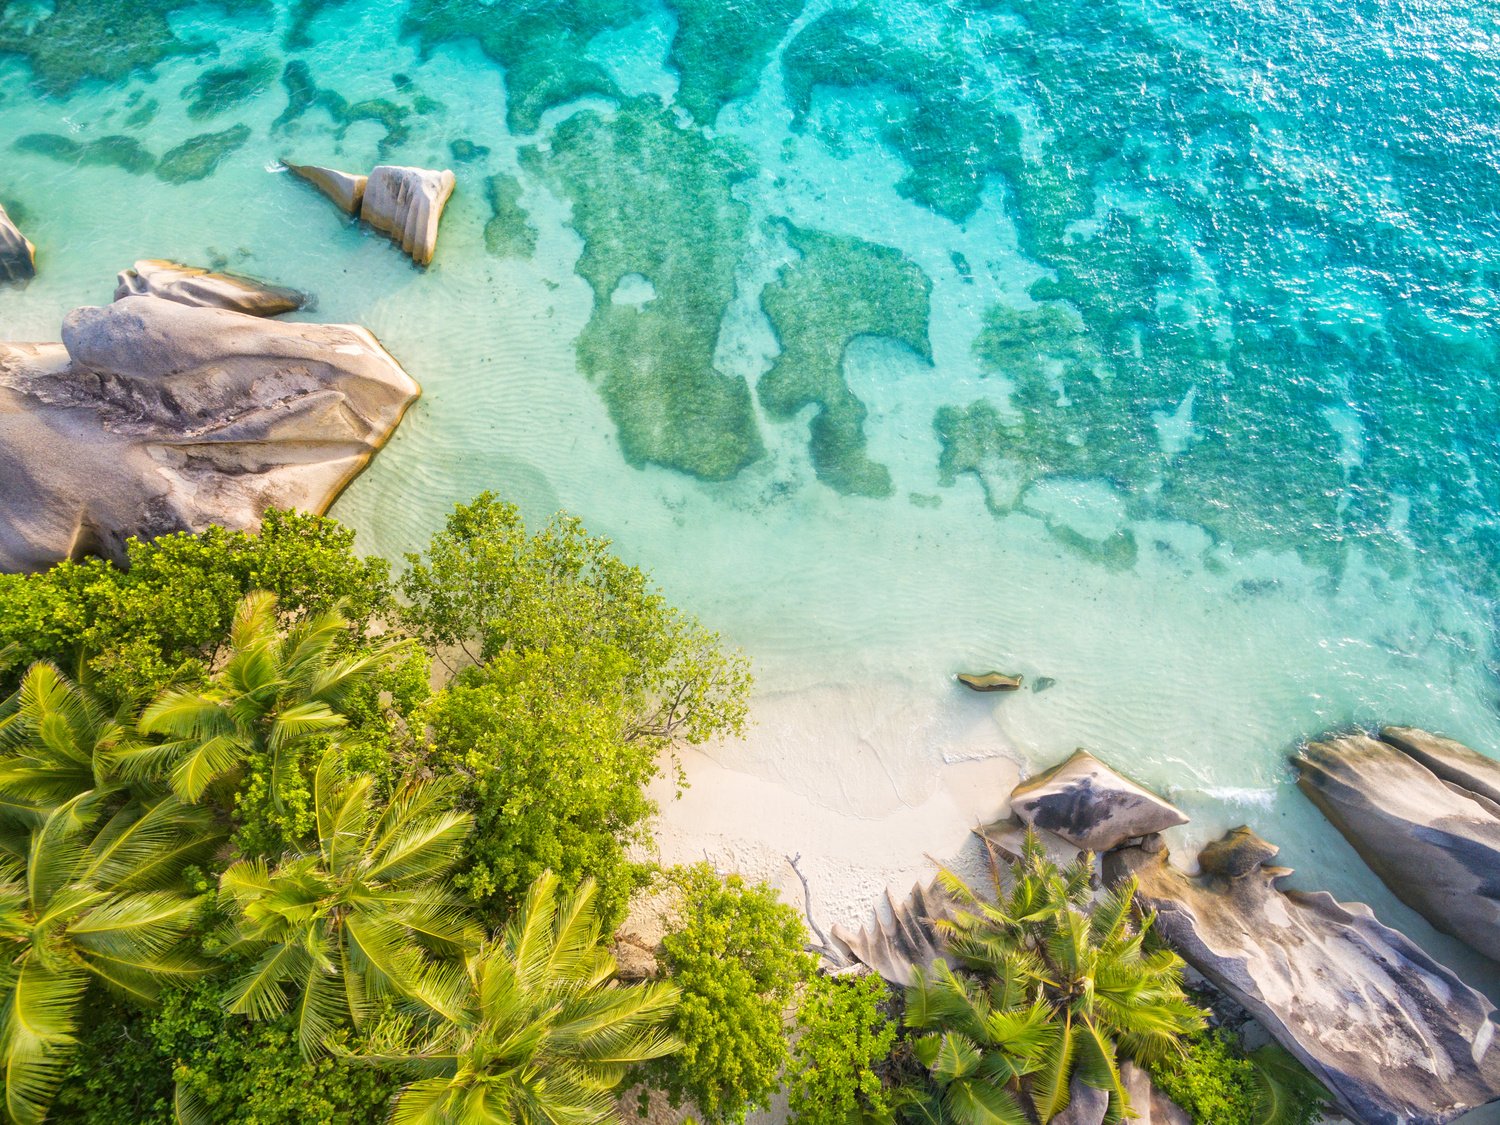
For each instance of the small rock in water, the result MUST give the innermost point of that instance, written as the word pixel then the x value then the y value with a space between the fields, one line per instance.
pixel 990 681
pixel 1042 683
pixel 345 188
pixel 17 255
pixel 407 204
pixel 188 285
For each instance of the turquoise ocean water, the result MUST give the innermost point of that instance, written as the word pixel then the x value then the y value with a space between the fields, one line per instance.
pixel 1147 346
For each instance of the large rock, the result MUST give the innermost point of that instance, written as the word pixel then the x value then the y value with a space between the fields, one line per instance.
pixel 17 255
pixel 188 285
pixel 153 416
pixel 1395 1037
pixel 407 204
pixel 1090 805
pixel 1431 840
pixel 347 189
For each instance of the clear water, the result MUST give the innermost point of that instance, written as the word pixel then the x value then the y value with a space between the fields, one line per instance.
pixel 1148 347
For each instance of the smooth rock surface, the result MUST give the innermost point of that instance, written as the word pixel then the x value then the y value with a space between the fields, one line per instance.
pixel 188 285
pixel 152 416
pixel 407 204
pixel 1436 845
pixel 17 255
pixel 1086 1105
pixel 1396 1037
pixel 1090 805
pixel 1452 761
pixel 347 189
pixel 990 681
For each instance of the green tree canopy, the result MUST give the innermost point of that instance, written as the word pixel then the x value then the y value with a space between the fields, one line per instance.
pixel 544 1035
pixel 363 917
pixel 89 900
pixel 737 953
pixel 485 586
pixel 1055 980
pixel 277 696
pixel 163 616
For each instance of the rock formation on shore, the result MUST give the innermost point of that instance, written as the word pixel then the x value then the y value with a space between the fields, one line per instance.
pixel 1421 811
pixel 404 203
pixel 1090 805
pixel 907 940
pixel 188 285
pixel 1393 1035
pixel 17 255
pixel 153 416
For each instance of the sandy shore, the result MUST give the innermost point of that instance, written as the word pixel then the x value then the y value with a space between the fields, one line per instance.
pixel 870 786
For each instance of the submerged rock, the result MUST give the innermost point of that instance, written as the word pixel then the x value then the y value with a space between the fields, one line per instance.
pixel 407 204
pixel 990 681
pixel 347 189
pixel 1396 1037
pixel 153 416
pixel 1090 805
pixel 17 255
pixel 1405 802
pixel 188 285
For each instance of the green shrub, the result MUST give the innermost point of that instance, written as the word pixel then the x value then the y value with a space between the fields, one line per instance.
pixel 164 616
pixel 551 779
pixel 844 1037
pixel 1212 1080
pixel 231 1071
pixel 1216 1083
pixel 736 953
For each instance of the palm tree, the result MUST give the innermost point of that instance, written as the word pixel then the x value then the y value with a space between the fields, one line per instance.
pixel 57 741
pixel 91 901
pixel 1051 945
pixel 364 916
pixel 273 693
pixel 544 1034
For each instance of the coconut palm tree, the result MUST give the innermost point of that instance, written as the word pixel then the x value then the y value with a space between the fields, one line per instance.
pixel 274 692
pixel 1050 944
pixel 57 741
pixel 544 1034
pixel 95 898
pixel 363 916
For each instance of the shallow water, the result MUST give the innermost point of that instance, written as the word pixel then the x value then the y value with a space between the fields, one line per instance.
pixel 1147 347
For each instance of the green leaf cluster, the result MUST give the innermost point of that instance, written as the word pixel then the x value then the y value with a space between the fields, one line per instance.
pixel 1217 1083
pixel 579 681
pixel 1047 981
pixel 844 1038
pixel 737 953
pixel 162 617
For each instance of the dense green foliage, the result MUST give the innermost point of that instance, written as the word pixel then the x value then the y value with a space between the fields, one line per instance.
pixel 844 1036
pixel 1050 982
pixel 736 952
pixel 1217 1083
pixel 250 716
pixel 251 858
pixel 90 896
pixel 359 917
pixel 542 1036
pixel 164 617
pixel 581 677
